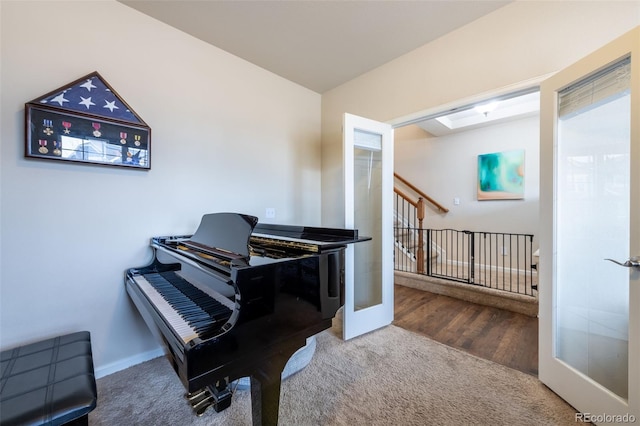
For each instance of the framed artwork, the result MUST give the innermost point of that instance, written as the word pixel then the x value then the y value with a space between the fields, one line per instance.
pixel 501 175
pixel 87 122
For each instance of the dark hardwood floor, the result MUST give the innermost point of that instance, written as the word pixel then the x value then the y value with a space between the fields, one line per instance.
pixel 505 337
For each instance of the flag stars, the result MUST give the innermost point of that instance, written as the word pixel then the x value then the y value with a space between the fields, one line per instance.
pixel 60 99
pixel 86 102
pixel 110 105
pixel 88 85
pixel 98 99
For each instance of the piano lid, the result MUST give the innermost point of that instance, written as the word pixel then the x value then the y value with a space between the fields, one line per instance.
pixel 323 237
pixel 225 231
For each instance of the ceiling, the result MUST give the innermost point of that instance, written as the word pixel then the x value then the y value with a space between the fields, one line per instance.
pixel 509 107
pixel 319 44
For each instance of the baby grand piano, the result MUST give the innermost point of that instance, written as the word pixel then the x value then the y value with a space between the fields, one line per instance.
pixel 237 299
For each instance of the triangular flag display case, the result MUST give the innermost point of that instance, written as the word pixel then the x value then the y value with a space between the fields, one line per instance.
pixel 86 121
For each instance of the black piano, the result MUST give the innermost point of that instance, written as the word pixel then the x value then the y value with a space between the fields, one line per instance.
pixel 237 299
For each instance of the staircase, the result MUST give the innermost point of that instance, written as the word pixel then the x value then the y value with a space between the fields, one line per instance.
pixel 411 248
pixel 468 265
pixel 407 240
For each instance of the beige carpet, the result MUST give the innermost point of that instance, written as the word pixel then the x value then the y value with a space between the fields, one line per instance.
pixel 388 377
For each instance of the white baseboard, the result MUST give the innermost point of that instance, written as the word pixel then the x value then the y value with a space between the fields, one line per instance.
pixel 127 362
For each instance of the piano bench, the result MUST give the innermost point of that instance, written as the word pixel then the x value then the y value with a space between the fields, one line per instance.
pixel 50 382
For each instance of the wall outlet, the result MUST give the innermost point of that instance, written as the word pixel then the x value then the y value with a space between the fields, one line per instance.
pixel 456 201
pixel 270 213
pixel 504 251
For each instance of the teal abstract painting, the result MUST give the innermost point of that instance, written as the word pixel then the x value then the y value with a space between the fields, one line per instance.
pixel 501 175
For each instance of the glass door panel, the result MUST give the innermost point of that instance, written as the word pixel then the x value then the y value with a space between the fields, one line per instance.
pixel 593 217
pixel 368 221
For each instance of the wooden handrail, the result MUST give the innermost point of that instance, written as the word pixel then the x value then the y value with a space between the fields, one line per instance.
pixel 419 205
pixel 406 197
pixel 439 206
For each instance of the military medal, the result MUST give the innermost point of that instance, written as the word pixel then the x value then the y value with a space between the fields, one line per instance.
pixel 96 131
pixel 48 124
pixel 66 126
pixel 123 138
pixel 137 140
pixel 56 146
pixel 43 147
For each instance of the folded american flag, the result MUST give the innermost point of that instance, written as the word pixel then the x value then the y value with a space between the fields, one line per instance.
pixel 90 95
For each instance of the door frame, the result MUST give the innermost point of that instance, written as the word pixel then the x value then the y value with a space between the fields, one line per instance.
pixel 581 392
pixel 361 321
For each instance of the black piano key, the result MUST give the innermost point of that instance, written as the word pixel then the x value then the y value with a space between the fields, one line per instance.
pixel 202 312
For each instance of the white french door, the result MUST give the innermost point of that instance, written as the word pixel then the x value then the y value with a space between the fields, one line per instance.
pixel 368 180
pixel 589 342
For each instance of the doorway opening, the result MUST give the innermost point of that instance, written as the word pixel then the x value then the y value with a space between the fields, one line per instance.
pixel 437 151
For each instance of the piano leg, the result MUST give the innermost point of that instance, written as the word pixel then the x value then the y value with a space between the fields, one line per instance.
pixel 265 387
pixel 265 401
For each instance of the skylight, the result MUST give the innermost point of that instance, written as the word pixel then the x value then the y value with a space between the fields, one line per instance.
pixel 489 111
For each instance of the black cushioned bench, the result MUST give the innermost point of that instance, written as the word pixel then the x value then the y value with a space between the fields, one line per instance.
pixel 50 382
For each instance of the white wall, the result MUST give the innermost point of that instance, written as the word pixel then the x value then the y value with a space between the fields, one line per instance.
pixel 445 168
pixel 518 42
pixel 226 136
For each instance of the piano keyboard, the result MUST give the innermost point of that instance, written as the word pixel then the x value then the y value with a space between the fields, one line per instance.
pixel 187 309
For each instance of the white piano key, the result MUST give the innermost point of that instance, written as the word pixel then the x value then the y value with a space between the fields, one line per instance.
pixel 175 321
